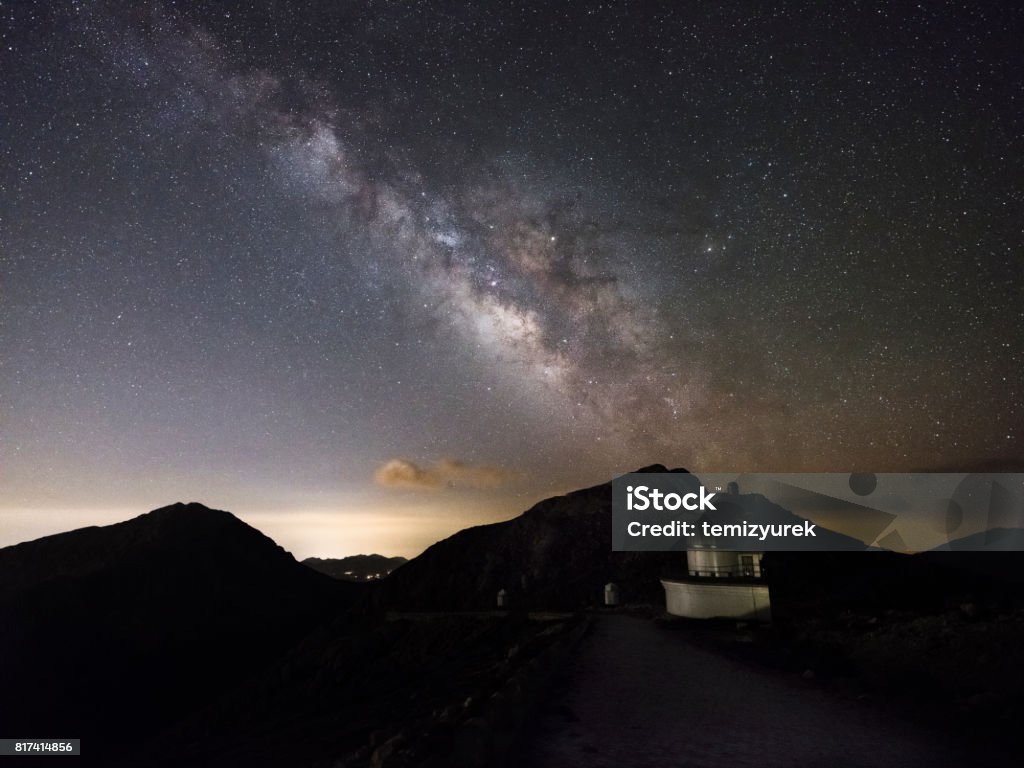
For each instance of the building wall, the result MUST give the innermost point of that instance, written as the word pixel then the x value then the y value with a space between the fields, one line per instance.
pixel 718 562
pixel 709 601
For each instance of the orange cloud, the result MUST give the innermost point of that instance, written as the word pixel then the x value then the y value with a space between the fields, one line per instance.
pixel 446 473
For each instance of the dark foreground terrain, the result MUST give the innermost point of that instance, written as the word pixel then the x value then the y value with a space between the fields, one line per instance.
pixel 186 637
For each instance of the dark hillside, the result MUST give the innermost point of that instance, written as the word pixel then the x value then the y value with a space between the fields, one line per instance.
pixel 120 629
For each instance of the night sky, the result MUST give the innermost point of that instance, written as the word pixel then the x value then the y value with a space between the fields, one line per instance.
pixel 366 273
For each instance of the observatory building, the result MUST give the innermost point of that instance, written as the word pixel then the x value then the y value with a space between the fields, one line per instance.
pixel 719 584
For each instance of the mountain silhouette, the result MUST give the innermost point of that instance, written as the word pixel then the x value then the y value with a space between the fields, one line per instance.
pixel 556 555
pixel 991 540
pixel 116 630
pixel 355 567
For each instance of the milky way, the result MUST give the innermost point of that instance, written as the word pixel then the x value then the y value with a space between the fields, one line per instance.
pixel 263 253
pixel 518 278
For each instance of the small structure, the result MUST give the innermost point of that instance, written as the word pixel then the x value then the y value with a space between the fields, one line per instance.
pixel 611 594
pixel 502 598
pixel 719 584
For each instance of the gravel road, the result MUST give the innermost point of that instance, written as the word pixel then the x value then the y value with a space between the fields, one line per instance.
pixel 640 696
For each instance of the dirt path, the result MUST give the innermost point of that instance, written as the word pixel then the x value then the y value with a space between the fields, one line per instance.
pixel 641 697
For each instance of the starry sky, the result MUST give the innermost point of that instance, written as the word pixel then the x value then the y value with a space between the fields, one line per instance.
pixel 365 273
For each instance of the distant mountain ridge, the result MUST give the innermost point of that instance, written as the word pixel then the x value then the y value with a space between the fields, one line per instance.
pixel 356 567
